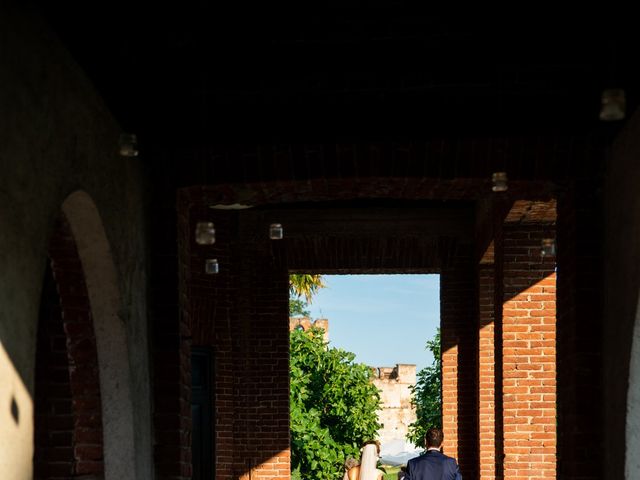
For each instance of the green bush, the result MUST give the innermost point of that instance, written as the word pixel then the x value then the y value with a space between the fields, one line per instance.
pixel 333 406
pixel 426 396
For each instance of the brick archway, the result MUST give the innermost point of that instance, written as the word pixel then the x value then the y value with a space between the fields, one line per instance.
pixel 103 291
pixel 68 413
pixel 84 418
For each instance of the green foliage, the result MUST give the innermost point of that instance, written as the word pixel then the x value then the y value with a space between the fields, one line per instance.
pixel 302 288
pixel 427 396
pixel 305 285
pixel 295 474
pixel 333 406
pixel 298 308
pixel 391 473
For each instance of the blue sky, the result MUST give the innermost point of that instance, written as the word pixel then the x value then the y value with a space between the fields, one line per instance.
pixel 383 319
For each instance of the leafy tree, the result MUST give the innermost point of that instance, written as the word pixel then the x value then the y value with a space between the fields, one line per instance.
pixel 427 395
pixel 302 288
pixel 305 285
pixel 298 308
pixel 333 406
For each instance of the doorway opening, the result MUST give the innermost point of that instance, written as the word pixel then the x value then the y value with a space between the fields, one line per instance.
pixel 365 365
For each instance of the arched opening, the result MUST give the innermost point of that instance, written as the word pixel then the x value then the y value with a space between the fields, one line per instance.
pixel 632 467
pixel 84 413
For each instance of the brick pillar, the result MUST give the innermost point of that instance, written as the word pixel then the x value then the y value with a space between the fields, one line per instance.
pixel 486 371
pixel 459 362
pixel 261 337
pixel 171 350
pixel 242 313
pixel 209 305
pixel 580 287
pixel 490 360
pixel 529 328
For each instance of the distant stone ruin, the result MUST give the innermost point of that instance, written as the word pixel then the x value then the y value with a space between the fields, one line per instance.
pixel 396 412
pixel 305 323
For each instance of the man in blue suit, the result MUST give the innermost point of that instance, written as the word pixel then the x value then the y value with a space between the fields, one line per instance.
pixel 433 465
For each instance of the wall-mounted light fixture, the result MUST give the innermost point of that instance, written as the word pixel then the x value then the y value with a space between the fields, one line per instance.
pixel 499 182
pixel 276 232
pixel 128 145
pixel 211 266
pixel 548 248
pixel 205 233
pixel 614 105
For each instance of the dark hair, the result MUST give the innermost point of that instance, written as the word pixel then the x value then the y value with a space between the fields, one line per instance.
pixel 434 437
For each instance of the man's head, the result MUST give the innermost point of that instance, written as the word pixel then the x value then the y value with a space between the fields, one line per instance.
pixel 433 438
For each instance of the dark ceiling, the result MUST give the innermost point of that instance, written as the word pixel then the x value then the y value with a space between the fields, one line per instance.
pixel 362 70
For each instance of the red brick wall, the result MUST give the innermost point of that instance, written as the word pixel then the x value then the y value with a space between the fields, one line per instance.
pixel 68 420
pixel 458 299
pixel 211 313
pixel 53 412
pixel 263 384
pixel 242 313
pixel 529 329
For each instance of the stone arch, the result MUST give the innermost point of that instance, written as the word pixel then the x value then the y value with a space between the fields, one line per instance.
pixel 110 333
pixel 632 462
